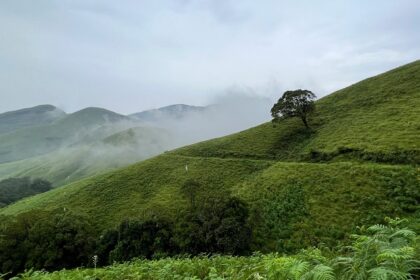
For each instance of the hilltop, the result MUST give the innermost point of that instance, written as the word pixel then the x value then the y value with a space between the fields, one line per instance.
pixel 37 140
pixel 34 116
pixel 356 166
pixel 176 111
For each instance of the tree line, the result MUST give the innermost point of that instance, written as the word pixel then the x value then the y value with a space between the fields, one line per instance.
pixel 13 189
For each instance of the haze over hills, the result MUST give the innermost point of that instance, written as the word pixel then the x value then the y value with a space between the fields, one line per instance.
pixel 176 111
pixel 64 147
pixel 357 165
pixel 40 139
pixel 39 115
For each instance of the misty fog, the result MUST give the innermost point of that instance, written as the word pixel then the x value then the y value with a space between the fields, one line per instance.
pixel 82 148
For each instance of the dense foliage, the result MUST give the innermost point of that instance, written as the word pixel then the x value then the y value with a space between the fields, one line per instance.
pixel 378 252
pixel 42 240
pixel 13 189
pixel 61 239
pixel 218 225
pixel 146 239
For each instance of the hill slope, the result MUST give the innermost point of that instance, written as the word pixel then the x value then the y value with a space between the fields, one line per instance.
pixel 377 119
pixel 35 116
pixel 176 111
pixel 38 140
pixel 69 164
pixel 301 187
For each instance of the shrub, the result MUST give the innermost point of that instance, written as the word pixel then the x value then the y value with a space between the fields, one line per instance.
pixel 146 239
pixel 217 225
pixel 42 240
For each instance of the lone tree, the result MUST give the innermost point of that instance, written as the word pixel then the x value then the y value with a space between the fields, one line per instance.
pixel 294 103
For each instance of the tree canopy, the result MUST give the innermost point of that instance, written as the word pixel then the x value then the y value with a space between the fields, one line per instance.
pixel 294 103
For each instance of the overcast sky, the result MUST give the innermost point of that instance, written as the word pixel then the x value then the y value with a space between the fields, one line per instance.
pixel 133 55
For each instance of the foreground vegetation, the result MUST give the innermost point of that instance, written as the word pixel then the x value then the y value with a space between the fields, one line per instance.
pixel 379 252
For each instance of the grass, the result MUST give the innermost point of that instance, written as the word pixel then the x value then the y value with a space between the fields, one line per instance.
pixel 357 165
pixel 376 119
pixel 69 164
pixel 339 196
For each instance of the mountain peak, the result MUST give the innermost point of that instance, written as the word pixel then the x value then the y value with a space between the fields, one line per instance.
pixel 33 116
pixel 94 115
pixel 175 111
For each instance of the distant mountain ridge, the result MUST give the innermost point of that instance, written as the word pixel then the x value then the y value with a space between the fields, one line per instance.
pixel 37 140
pixel 176 111
pixel 34 116
pixel 44 141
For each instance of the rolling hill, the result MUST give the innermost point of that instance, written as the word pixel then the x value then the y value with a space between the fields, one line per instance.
pixel 35 116
pixel 358 164
pixel 176 111
pixel 72 163
pixel 73 146
pixel 37 140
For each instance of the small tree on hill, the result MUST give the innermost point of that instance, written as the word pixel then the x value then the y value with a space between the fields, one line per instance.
pixel 294 103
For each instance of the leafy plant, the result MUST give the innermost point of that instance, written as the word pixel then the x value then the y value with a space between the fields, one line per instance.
pixel 386 252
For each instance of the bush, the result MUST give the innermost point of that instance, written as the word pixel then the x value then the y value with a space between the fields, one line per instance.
pixel 13 189
pixel 42 240
pixel 217 225
pixel 142 239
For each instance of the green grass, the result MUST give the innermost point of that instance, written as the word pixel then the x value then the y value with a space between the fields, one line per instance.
pixel 358 165
pixel 70 164
pixel 143 189
pixel 377 119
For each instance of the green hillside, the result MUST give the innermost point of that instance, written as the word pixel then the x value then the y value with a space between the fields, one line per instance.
pixel 356 166
pixel 35 116
pixel 70 164
pixel 37 140
pixel 377 119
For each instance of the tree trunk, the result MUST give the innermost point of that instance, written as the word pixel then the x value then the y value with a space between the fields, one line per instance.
pixel 305 122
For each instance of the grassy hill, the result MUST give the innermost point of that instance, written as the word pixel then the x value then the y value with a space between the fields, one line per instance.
pixel 377 119
pixel 356 166
pixel 69 164
pixel 35 116
pixel 37 140
pixel 176 111
pixel 73 146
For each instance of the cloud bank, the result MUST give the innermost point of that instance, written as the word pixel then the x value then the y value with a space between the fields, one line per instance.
pixel 128 56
